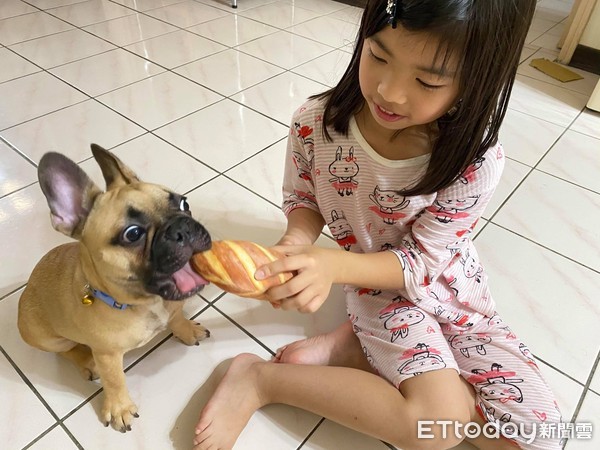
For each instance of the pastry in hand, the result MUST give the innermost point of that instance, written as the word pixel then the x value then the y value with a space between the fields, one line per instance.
pixel 230 265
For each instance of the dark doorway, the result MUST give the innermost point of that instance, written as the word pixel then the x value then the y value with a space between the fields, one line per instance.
pixel 360 3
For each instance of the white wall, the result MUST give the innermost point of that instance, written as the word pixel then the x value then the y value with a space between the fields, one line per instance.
pixel 591 34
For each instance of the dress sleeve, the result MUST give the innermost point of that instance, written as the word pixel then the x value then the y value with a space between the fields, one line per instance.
pixel 298 178
pixel 440 235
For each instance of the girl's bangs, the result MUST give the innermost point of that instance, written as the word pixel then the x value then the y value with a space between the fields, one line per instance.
pixel 449 28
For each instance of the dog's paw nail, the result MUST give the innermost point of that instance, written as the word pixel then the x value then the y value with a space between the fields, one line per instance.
pixel 197 343
pixel 128 427
pixel 123 430
pixel 207 333
pixel 106 424
pixel 136 415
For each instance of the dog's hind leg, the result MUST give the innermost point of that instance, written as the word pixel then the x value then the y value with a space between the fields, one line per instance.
pixel 81 355
pixel 44 339
pixel 38 333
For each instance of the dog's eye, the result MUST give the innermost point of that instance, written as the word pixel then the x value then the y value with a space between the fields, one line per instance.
pixel 184 205
pixel 133 233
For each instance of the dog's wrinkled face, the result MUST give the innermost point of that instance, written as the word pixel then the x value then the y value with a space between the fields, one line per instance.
pixel 136 238
pixel 140 237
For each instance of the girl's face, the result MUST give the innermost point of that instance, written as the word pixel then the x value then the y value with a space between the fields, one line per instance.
pixel 402 82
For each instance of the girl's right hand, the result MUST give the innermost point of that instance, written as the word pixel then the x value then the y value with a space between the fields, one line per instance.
pixel 288 239
pixel 293 239
pixel 315 272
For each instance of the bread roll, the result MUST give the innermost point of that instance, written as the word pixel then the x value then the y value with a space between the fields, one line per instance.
pixel 230 265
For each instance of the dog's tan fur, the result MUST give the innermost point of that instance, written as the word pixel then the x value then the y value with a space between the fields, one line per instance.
pixel 52 313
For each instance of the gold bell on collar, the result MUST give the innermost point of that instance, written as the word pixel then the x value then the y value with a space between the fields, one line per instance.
pixel 88 298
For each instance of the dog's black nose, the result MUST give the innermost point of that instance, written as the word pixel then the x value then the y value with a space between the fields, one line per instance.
pixel 173 245
pixel 182 230
pixel 179 238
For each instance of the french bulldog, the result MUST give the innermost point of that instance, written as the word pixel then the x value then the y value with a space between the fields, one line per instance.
pixel 121 283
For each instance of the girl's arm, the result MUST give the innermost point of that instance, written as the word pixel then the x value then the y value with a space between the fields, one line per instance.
pixel 381 270
pixel 437 241
pixel 319 268
pixel 305 222
pixel 303 227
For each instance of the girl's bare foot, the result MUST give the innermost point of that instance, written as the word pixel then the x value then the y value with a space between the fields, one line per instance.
pixel 341 347
pixel 220 424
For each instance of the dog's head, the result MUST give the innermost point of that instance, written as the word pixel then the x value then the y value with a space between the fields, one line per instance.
pixel 136 238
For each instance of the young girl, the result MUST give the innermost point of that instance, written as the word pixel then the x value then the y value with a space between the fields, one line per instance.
pixel 400 160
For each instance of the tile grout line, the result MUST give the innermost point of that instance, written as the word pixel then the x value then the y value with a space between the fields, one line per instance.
pixel 224 173
pixel 85 401
pixel 241 328
pixel 172 70
pixel 562 372
pixel 15 149
pixel 41 399
pixel 571 182
pixel 311 432
pixel 131 366
pixel 579 263
pixel 166 69
pixel 14 291
pixel 151 131
pixel 179 28
pixel 586 389
pixel 534 167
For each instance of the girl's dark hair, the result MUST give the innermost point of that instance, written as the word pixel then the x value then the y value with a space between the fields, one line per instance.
pixel 487 37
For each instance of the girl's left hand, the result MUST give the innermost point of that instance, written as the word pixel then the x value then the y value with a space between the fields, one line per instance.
pixel 315 269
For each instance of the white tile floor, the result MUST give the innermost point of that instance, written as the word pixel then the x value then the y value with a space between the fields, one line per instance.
pixel 197 96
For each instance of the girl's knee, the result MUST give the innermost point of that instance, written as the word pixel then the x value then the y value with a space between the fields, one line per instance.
pixel 438 427
pixel 523 430
pixel 433 435
pixel 439 406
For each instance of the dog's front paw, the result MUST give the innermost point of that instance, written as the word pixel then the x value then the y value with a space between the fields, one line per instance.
pixel 191 333
pixel 119 414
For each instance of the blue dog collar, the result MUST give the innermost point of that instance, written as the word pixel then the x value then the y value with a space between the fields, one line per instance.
pixel 92 294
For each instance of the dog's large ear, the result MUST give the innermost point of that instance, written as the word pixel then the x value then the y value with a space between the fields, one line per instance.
pixel 115 172
pixel 69 191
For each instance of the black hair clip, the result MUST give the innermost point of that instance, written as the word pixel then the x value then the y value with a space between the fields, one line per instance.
pixel 393 10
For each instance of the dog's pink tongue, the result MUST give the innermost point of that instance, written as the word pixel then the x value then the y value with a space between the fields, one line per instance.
pixel 187 280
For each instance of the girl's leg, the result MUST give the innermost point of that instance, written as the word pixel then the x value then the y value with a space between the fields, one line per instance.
pixel 340 347
pixel 354 398
pixel 482 442
pixel 507 384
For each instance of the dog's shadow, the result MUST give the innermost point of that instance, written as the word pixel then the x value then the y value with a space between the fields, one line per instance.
pixel 182 433
pixel 264 322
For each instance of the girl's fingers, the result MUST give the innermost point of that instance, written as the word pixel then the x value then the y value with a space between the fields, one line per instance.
pixel 278 293
pixel 289 250
pixel 300 301
pixel 270 270
pixel 312 306
pixel 289 264
pixel 290 289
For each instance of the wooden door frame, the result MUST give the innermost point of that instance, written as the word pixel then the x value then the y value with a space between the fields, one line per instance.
pixel 576 23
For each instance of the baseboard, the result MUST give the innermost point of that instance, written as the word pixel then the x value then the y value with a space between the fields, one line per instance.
pixel 586 58
pixel 360 3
